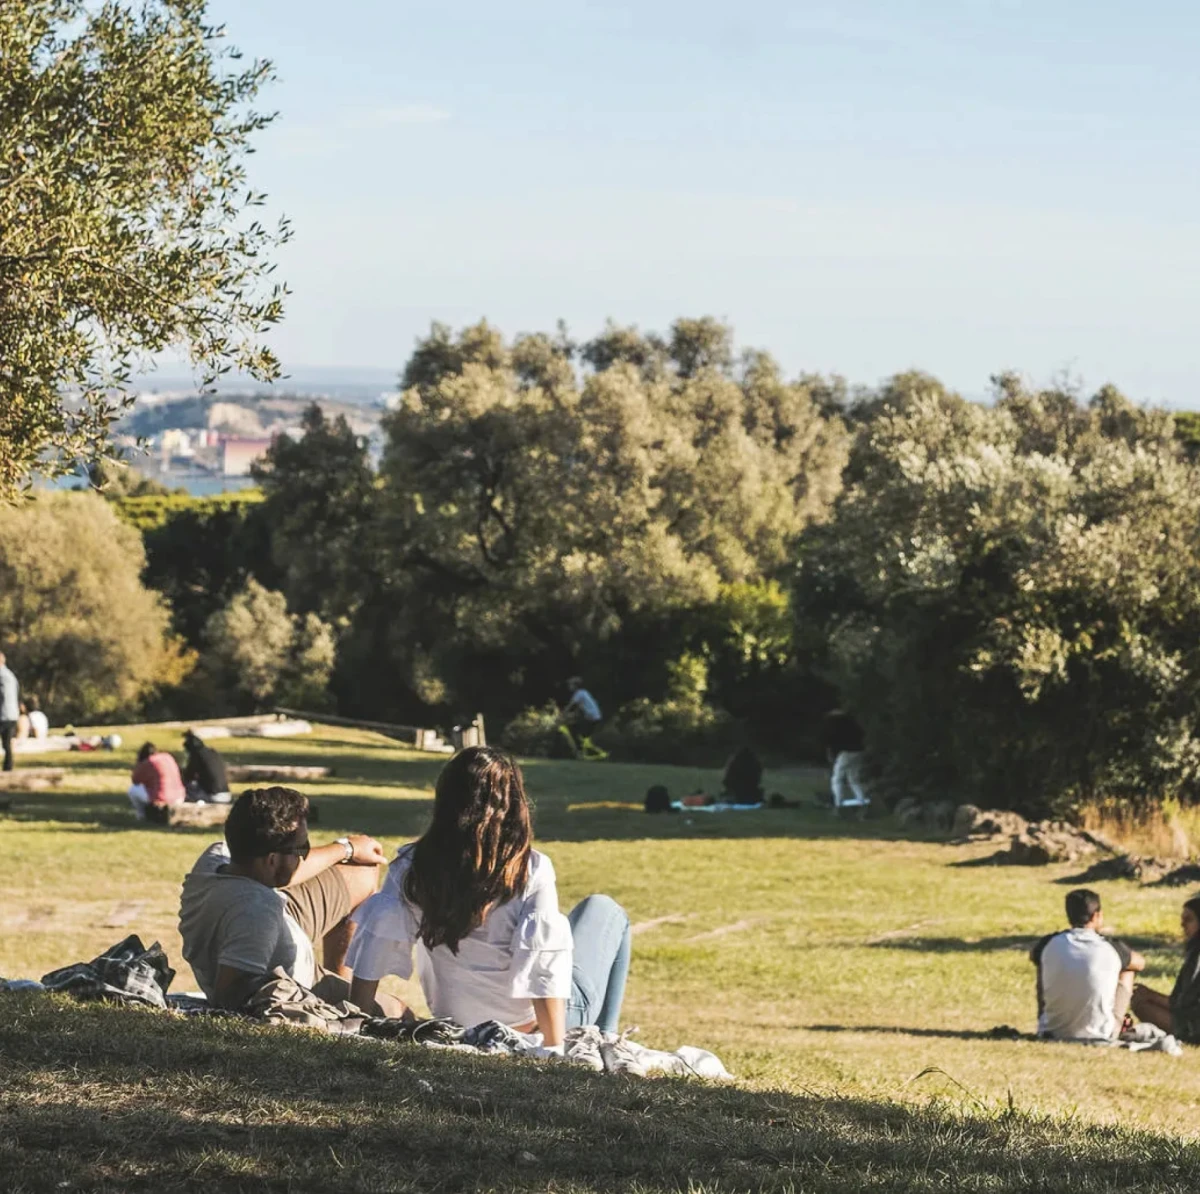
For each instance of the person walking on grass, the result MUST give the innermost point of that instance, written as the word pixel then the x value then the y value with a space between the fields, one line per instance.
pixel 10 710
pixel 1179 1012
pixel 480 906
pixel 1084 980
pixel 266 897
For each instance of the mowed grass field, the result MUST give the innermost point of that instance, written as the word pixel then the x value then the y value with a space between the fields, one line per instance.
pixel 846 975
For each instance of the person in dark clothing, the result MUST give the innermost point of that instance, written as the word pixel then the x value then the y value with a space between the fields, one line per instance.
pixel 1179 1012
pixel 204 772
pixel 743 778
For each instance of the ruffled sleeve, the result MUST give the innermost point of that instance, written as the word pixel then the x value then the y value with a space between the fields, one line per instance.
pixel 385 928
pixel 542 946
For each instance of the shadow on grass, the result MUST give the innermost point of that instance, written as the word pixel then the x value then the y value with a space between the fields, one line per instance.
pixel 957 1034
pixel 953 945
pixel 1023 942
pixel 376 807
pixel 113 1099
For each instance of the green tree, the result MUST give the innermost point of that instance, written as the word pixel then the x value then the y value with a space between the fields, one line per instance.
pixel 200 551
pixel 78 626
pixel 265 655
pixel 124 225
pixel 319 503
pixel 1010 596
pixel 535 512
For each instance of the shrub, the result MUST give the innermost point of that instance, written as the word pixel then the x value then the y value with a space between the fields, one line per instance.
pixel 670 731
pixel 539 733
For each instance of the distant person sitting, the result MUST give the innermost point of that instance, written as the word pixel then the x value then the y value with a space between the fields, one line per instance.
pixel 1179 1012
pixel 266 898
pixel 204 772
pixel 742 782
pixel 10 710
pixel 582 711
pixel 39 723
pixel 22 730
pixel 1084 980
pixel 155 781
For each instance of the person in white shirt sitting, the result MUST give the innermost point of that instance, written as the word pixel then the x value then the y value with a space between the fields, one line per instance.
pixel 1084 980
pixel 39 723
pixel 480 906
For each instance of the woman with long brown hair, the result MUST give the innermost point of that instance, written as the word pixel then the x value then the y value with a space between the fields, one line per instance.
pixel 481 906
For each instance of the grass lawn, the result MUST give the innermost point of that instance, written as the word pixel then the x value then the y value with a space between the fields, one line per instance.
pixel 847 976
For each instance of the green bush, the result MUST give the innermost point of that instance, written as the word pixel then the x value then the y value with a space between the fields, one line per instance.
pixel 671 731
pixel 539 733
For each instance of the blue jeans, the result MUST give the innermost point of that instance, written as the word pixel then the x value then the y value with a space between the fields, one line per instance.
pixel 602 948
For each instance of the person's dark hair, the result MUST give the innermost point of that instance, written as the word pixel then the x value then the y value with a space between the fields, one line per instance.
pixel 475 854
pixel 262 820
pixel 1194 906
pixel 34 703
pixel 1082 905
pixel 190 741
pixel 743 777
pixel 658 799
pixel 147 749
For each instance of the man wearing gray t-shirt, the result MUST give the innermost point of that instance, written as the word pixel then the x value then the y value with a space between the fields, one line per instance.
pixel 1084 980
pixel 266 898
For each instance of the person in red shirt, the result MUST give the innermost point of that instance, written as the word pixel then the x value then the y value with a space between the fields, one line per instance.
pixel 155 780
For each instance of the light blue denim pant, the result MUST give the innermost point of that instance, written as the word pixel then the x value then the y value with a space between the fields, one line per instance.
pixel 600 928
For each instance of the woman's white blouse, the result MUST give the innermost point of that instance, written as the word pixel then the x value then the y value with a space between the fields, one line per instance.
pixel 521 951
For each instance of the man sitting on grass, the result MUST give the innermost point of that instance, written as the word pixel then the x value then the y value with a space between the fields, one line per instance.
pixel 1084 980
pixel 265 897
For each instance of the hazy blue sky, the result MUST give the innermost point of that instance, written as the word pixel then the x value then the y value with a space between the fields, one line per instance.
pixel 859 186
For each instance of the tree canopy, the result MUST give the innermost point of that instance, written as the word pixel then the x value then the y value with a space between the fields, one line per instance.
pixel 77 624
pixel 1010 596
pixel 125 225
pixel 540 495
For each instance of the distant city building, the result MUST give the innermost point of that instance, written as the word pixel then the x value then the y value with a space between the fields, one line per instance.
pixel 237 455
pixel 178 442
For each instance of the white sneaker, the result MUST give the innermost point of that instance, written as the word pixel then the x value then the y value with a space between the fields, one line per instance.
pixel 582 1047
pixel 622 1056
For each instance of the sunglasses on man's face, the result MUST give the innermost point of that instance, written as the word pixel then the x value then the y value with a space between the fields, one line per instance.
pixel 301 851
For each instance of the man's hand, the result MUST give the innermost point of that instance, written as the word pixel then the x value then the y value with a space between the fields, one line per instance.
pixel 367 851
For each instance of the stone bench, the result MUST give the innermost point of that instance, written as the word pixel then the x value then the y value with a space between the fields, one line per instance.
pixel 31 779
pixel 200 815
pixel 262 772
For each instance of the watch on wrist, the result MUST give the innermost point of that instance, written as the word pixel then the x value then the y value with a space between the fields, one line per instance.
pixel 348 846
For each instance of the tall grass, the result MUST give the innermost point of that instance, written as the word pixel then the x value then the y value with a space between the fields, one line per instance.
pixel 1166 830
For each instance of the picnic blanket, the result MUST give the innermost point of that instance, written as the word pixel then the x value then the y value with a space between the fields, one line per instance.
pixel 129 972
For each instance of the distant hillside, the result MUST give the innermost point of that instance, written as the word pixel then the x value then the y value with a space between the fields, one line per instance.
pixel 240 414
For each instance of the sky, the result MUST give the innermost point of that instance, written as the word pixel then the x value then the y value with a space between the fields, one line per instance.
pixel 859 187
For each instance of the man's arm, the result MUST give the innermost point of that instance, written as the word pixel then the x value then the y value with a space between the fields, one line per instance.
pixel 1130 958
pixel 235 986
pixel 367 852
